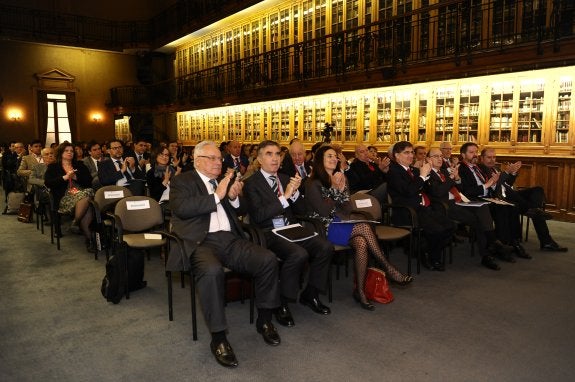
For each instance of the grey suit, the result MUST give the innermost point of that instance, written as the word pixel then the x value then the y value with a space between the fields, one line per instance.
pixel 93 172
pixel 26 165
pixel 191 206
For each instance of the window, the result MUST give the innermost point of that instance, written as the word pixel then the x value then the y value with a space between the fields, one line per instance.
pixel 57 123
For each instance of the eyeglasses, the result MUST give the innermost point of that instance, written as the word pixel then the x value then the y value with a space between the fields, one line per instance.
pixel 115 147
pixel 407 152
pixel 163 154
pixel 211 158
pixel 436 156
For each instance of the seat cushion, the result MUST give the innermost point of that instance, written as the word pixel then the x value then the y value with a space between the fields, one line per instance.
pixel 390 233
pixel 137 240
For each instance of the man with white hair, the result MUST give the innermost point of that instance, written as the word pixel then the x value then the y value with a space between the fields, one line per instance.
pixel 204 216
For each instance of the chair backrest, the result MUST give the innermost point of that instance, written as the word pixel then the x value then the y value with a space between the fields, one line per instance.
pixel 107 197
pixel 366 203
pixel 139 213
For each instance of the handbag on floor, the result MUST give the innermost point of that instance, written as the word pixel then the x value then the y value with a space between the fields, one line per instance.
pixel 25 212
pixel 376 287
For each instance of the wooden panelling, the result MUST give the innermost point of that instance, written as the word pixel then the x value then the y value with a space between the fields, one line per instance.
pixel 555 175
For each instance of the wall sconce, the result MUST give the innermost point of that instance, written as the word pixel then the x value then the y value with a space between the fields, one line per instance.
pixel 97 117
pixel 15 115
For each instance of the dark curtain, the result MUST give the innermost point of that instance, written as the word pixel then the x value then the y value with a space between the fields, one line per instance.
pixel 42 115
pixel 71 106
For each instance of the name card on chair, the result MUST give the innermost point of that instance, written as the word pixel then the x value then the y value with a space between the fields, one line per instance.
pixel 114 194
pixel 363 203
pixel 138 205
pixel 152 236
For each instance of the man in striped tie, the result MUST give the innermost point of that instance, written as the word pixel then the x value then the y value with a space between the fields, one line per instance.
pixel 273 201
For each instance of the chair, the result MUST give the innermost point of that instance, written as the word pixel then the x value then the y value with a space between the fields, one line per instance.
pixel 136 223
pixel 104 201
pixel 55 221
pixel 41 205
pixel 250 233
pixel 370 206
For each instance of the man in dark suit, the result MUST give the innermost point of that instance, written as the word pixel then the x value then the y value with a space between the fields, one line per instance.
pixel 528 201
pixel 442 190
pixel 140 154
pixel 476 184
pixel 295 162
pixel 121 171
pixel 93 161
pixel 406 187
pixel 204 217
pixel 273 200
pixel 235 159
pixel 365 174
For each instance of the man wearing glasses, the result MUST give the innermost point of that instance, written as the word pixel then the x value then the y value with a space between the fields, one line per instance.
pixel 121 171
pixel 204 217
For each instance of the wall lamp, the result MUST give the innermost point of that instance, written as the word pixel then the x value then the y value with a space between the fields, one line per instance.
pixel 15 115
pixel 97 117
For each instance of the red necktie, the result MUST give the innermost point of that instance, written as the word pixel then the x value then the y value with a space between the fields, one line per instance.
pixel 424 198
pixel 479 174
pixel 453 190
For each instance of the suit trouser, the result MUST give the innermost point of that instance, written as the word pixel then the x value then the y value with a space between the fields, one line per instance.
pixel 437 230
pixel 239 255
pixel 532 197
pixel 478 218
pixel 319 251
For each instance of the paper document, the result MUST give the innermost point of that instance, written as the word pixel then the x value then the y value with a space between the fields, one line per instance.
pixel 294 232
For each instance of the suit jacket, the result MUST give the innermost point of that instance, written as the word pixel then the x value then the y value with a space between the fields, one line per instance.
pixel 437 189
pixel 89 163
pixel 263 205
pixel 468 184
pixel 58 186
pixel 288 167
pixel 361 177
pixel 404 190
pixel 132 153
pixel 26 165
pixel 191 206
pixel 229 163
pixel 25 169
pixel 108 176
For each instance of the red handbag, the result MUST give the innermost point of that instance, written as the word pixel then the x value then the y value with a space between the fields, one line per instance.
pixel 376 287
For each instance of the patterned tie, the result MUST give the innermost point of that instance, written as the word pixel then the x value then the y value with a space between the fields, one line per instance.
pixel 237 163
pixel 127 173
pixel 275 187
pixel 214 184
pixel 479 174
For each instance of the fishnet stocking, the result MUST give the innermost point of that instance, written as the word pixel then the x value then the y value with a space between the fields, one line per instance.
pixel 366 232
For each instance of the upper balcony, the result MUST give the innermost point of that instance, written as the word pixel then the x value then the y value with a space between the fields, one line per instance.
pixel 451 38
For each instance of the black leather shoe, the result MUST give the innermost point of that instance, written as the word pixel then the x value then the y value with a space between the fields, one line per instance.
pixel 498 248
pixel 365 305
pixel 269 333
pixel 538 213
pixel 489 262
pixel 224 353
pixel 315 305
pixel 553 247
pixel 284 317
pixel 520 251
pixel 507 257
pixel 437 266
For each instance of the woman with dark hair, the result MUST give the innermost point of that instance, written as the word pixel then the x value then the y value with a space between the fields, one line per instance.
pixel 70 183
pixel 160 173
pixel 79 152
pixel 327 197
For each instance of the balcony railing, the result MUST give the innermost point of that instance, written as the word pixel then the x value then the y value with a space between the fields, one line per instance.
pixel 455 31
pixel 184 17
